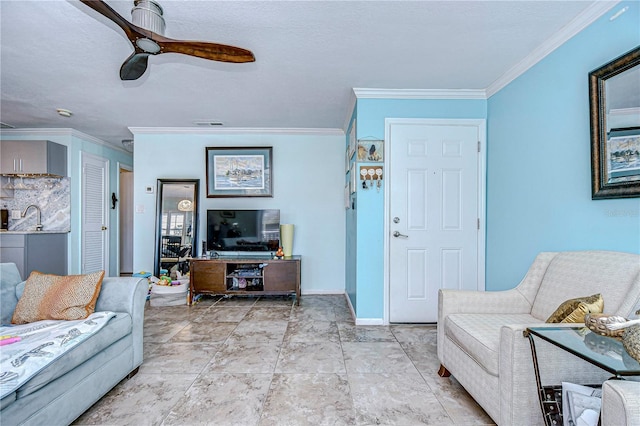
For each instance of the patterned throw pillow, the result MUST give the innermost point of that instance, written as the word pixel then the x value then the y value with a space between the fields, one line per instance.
pixel 53 297
pixel 574 310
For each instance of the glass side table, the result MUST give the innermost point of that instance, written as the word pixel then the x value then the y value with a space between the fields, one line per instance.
pixel 604 352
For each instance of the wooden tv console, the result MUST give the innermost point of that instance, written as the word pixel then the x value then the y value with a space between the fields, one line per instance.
pixel 245 276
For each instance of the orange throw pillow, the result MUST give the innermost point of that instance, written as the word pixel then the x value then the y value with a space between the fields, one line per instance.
pixel 54 297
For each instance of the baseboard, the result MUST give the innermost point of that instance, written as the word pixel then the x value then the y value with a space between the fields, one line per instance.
pixel 369 321
pixel 362 321
pixel 353 311
pixel 358 321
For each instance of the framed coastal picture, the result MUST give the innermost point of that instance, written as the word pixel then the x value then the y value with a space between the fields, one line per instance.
pixel 239 172
pixel 370 150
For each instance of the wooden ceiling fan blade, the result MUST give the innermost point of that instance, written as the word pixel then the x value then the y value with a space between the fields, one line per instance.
pixel 134 66
pixel 205 50
pixel 147 42
pixel 106 11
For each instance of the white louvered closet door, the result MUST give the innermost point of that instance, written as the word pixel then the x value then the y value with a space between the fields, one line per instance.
pixel 95 235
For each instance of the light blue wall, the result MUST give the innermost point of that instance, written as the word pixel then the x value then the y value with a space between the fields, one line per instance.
pixel 77 143
pixel 539 167
pixel 308 186
pixel 368 225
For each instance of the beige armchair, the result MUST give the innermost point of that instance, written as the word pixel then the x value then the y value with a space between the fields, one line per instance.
pixel 480 340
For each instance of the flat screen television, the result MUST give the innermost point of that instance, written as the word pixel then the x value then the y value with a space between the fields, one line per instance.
pixel 240 232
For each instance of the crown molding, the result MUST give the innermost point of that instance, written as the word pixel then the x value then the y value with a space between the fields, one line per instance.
pixel 364 93
pixel 236 130
pixel 579 23
pixel 63 132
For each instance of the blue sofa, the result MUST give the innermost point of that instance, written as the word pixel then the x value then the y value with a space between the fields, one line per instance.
pixel 66 388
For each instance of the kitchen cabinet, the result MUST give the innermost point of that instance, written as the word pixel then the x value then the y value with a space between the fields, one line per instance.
pixel 33 157
pixel 42 251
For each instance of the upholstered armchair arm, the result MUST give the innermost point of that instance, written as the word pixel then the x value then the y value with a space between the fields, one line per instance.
pixel 518 300
pixel 124 294
pixel 477 302
pixel 620 403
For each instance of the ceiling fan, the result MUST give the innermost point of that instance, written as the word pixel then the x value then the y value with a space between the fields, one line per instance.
pixel 146 36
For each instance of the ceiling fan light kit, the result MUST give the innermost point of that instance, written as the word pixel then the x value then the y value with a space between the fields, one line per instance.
pixel 146 34
pixel 148 14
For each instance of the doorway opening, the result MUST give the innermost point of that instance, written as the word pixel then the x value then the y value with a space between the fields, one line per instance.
pixel 125 220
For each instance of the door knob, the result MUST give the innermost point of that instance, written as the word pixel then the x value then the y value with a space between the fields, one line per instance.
pixel 104 228
pixel 398 234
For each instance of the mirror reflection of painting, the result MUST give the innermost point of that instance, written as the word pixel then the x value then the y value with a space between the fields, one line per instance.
pixel 623 157
pixel 176 227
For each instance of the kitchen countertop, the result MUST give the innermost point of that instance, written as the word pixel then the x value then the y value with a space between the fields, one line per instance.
pixel 32 232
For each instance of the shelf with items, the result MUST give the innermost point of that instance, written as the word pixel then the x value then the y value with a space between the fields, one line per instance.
pixel 244 284
pixel 245 277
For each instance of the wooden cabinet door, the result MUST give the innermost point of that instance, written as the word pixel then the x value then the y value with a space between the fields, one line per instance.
pixel 281 276
pixel 208 277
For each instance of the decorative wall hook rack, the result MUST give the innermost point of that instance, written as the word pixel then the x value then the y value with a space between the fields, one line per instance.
pixel 371 176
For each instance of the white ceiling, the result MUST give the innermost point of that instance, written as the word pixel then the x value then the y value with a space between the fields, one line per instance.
pixel 309 57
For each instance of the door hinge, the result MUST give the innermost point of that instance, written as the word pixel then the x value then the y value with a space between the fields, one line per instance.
pixel 479 145
pixel 478 224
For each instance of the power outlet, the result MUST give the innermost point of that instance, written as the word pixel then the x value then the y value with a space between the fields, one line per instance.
pixel 15 214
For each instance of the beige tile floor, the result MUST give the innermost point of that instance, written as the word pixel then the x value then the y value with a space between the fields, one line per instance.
pixel 265 361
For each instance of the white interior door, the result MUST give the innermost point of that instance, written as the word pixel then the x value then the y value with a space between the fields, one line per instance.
pixel 433 212
pixel 95 217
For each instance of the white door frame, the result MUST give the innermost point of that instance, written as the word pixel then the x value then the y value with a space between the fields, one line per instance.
pixel 482 179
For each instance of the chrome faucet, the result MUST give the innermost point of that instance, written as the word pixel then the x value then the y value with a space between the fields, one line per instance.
pixel 38 222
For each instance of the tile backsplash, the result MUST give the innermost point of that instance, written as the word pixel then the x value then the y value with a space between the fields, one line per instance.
pixel 52 195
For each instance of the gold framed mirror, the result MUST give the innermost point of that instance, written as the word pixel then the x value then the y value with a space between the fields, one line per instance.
pixel 176 226
pixel 614 102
